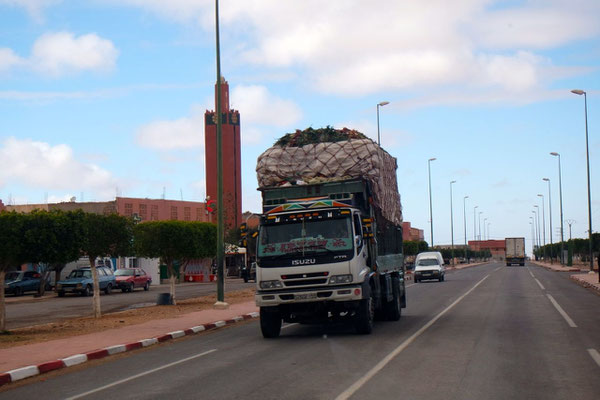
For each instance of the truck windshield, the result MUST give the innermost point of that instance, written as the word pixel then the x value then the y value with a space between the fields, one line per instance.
pixel 302 236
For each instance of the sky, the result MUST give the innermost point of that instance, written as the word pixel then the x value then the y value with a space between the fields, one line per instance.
pixel 106 97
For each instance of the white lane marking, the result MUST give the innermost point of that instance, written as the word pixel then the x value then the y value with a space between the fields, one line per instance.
pixel 595 355
pixel 540 284
pixel 381 364
pixel 562 312
pixel 497 269
pixel 288 325
pixel 110 385
pixel 531 273
pixel 412 284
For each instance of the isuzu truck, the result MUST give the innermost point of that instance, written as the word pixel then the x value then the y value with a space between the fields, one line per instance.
pixel 329 246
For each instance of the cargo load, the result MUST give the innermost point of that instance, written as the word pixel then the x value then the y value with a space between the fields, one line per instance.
pixel 327 154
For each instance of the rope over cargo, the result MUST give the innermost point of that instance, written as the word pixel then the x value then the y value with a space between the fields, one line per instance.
pixel 288 163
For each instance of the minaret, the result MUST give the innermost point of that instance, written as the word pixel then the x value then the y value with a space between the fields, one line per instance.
pixel 232 177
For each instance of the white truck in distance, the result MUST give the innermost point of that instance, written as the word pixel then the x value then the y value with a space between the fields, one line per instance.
pixel 515 251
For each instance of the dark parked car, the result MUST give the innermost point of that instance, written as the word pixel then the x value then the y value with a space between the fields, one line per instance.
pixel 249 273
pixel 19 282
pixel 80 281
pixel 130 278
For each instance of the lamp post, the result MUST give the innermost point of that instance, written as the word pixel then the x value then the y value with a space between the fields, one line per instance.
pixel 484 225
pixel 562 237
pixel 532 235
pixel 383 103
pixel 452 224
pixel 479 225
pixel 488 228
pixel 220 225
pixel 465 222
pixel 430 202
pixel 474 223
pixel 587 156
pixel 570 222
pixel 543 222
pixel 537 221
pixel 550 215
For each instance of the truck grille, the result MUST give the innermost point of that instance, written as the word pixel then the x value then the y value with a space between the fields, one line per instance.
pixel 305 282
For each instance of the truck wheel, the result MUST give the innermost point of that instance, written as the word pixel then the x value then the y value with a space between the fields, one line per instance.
pixel 393 308
pixel 61 294
pixel 270 323
pixel 245 279
pixel 365 316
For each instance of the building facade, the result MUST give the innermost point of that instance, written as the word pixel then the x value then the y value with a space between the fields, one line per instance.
pixel 411 234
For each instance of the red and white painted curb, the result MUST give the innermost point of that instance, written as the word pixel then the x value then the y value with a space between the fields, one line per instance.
pixel 33 370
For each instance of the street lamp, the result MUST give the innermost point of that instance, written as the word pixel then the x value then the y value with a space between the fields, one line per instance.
pixel 543 221
pixel 532 236
pixel 452 224
pixel 587 155
pixel 562 238
pixel 488 228
pixel 465 222
pixel 383 103
pixel 484 225
pixel 550 215
pixel 474 223
pixel 479 224
pixel 430 203
pixel 537 221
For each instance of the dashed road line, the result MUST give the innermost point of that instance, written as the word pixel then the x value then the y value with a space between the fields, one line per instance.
pixel 540 284
pixel 595 355
pixel 561 311
pixel 386 360
pixel 110 385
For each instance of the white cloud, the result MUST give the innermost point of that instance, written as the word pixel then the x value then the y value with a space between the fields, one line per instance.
pixel 8 59
pixel 42 166
pixel 264 108
pixel 182 133
pixel 62 52
pixel 353 48
pixel 34 7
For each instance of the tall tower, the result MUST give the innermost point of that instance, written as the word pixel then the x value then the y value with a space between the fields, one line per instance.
pixel 230 142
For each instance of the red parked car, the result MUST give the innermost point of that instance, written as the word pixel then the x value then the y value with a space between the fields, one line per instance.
pixel 131 278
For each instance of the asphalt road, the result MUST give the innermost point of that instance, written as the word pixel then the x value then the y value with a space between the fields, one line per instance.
pixel 27 313
pixel 488 332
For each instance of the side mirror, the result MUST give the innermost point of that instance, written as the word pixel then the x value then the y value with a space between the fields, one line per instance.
pixel 358 240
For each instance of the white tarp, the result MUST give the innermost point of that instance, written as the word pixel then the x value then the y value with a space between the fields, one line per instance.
pixel 360 158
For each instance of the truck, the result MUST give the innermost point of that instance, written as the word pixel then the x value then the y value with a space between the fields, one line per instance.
pixel 329 247
pixel 515 251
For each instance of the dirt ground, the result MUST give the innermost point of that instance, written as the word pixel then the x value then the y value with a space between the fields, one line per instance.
pixel 81 326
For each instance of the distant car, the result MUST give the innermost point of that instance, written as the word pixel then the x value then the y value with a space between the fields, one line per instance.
pixel 131 278
pixel 80 281
pixel 429 265
pixel 19 282
pixel 249 273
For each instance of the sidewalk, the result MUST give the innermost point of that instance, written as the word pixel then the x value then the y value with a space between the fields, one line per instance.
pixel 25 361
pixel 585 279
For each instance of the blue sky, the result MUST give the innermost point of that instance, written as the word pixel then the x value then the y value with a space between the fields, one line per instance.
pixel 105 96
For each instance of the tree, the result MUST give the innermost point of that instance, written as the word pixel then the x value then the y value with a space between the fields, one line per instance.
pixel 53 238
pixel 172 241
pixel 11 224
pixel 104 236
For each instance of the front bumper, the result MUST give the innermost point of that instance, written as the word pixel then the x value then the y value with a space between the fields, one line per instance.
pixel 428 274
pixel 269 298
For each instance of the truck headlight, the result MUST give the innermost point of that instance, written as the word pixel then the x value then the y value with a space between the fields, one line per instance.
pixel 271 284
pixel 335 279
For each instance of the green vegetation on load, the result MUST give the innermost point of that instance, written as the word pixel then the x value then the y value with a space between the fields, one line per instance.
pixel 321 135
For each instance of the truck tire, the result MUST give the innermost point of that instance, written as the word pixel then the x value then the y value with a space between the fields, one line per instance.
pixel 365 316
pixel 270 323
pixel 393 309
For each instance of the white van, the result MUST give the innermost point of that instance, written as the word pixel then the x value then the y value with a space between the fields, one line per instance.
pixel 429 265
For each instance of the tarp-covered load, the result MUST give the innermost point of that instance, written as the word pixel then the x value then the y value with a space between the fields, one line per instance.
pixel 318 155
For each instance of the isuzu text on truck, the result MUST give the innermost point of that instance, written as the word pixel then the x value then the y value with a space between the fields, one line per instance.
pixel 330 238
